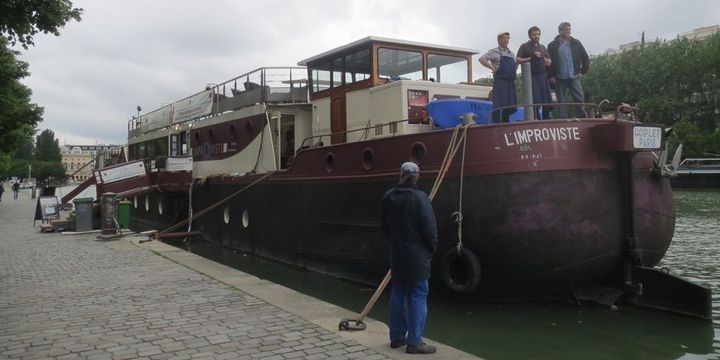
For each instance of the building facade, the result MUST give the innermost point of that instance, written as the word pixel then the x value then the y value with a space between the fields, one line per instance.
pixel 75 157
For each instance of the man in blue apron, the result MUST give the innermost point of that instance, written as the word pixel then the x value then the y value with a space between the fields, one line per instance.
pixel 501 61
pixel 535 52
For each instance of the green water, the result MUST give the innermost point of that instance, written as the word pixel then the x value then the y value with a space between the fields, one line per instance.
pixel 551 330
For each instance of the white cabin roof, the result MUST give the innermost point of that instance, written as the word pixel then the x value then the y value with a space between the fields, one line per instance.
pixel 371 39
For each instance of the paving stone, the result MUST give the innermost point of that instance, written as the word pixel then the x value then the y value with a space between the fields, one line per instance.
pixel 71 297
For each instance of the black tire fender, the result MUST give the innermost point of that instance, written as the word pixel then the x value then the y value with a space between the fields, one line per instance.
pixel 466 281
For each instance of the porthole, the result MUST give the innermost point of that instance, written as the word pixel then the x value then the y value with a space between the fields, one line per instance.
pixel 135 201
pixel 211 135
pixel 330 162
pixel 417 152
pixel 226 215
pixel 245 219
pixel 368 158
pixel 197 137
pixel 147 202
pixel 160 207
pixel 249 127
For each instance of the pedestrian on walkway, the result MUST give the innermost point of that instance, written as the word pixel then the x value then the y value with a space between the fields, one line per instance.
pixel 2 189
pixel 408 220
pixel 570 62
pixel 501 61
pixel 15 189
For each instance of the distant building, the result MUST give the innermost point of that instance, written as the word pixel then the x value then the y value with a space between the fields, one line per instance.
pixel 73 159
pixel 697 34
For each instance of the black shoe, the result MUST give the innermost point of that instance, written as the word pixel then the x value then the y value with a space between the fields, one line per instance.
pixel 397 343
pixel 421 348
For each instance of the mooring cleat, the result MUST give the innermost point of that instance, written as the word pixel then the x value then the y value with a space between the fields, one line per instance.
pixel 350 324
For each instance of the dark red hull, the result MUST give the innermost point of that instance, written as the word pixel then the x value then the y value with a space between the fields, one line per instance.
pixel 541 215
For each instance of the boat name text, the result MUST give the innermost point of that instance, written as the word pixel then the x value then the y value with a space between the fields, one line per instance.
pixel 545 134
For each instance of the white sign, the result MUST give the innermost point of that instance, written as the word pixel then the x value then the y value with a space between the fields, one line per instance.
pixel 157 119
pixel 123 172
pixel 645 137
pixel 193 107
pixel 179 164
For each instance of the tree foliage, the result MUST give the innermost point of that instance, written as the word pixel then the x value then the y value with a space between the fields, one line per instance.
pixel 18 116
pixel 20 20
pixel 47 147
pixel 674 83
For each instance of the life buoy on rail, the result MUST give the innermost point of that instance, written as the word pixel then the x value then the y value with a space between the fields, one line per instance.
pixel 461 272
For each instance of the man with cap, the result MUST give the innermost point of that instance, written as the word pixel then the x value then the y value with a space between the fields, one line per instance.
pixel 408 220
pixel 501 61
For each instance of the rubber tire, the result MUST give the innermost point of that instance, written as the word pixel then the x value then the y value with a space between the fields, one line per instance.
pixel 473 264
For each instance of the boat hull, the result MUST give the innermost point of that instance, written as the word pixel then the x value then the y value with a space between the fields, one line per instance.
pixel 536 234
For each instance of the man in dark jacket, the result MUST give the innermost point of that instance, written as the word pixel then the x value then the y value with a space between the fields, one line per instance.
pixel 409 222
pixel 569 62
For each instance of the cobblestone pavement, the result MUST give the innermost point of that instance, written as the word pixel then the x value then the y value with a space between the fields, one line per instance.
pixel 76 297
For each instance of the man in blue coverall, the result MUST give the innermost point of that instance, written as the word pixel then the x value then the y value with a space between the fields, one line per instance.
pixel 409 222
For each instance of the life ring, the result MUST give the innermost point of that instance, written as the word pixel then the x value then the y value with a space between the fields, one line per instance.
pixel 462 272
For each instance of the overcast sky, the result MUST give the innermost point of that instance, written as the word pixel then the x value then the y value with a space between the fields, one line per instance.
pixel 126 53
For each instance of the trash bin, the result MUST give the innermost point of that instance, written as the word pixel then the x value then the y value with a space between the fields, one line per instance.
pixel 123 214
pixel 83 214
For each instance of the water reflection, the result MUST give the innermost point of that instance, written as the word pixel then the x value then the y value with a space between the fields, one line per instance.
pixel 549 330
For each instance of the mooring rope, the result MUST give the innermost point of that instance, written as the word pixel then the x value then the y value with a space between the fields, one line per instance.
pixel 213 206
pixel 452 149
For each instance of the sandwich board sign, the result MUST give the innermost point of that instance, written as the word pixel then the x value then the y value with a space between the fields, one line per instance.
pixel 47 208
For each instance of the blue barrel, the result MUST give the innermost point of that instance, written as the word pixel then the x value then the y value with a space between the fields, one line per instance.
pixel 447 113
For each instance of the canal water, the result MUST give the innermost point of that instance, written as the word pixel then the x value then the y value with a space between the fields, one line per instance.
pixel 548 330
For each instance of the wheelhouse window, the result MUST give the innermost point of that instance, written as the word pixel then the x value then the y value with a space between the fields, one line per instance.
pixel 358 66
pixel 395 64
pixel 321 77
pixel 343 69
pixel 337 75
pixel 447 69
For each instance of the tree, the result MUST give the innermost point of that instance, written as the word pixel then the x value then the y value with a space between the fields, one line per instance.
pixel 25 151
pixel 674 83
pixel 43 170
pixel 18 117
pixel 21 20
pixel 47 147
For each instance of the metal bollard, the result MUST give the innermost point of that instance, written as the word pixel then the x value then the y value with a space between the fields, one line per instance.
pixel 108 206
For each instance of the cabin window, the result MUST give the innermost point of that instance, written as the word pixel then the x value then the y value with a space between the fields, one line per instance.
pixel 394 64
pixel 337 73
pixel 321 77
pixel 447 69
pixel 357 66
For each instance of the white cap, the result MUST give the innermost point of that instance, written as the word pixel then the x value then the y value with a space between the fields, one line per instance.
pixel 409 168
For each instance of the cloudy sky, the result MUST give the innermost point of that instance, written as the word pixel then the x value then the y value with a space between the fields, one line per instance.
pixel 126 53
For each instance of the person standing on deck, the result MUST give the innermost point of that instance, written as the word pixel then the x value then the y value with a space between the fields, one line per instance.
pixel 570 62
pixel 501 61
pixel 408 220
pixel 535 53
